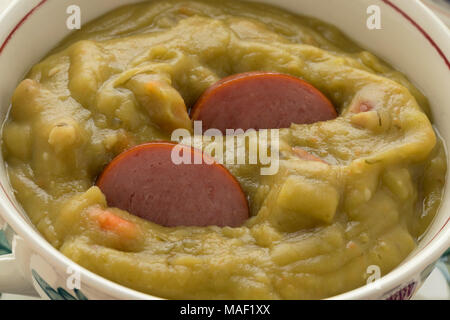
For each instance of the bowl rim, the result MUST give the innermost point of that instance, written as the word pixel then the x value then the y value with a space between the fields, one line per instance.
pixel 397 277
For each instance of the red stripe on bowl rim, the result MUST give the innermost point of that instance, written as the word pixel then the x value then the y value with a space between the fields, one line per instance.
pixel 21 22
pixel 422 31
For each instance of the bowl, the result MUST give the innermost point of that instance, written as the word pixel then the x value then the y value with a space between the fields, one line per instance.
pixel 411 38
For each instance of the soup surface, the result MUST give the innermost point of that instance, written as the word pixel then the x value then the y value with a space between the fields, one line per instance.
pixel 350 193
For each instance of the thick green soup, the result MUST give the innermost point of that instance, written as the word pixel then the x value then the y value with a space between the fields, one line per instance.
pixel 315 226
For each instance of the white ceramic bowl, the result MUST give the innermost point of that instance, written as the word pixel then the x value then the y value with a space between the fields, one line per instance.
pixel 412 39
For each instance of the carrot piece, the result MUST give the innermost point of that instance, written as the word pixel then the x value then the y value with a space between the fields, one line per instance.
pixel 110 222
pixel 302 154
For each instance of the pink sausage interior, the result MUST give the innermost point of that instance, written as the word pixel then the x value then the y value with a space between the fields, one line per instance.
pixel 145 182
pixel 261 100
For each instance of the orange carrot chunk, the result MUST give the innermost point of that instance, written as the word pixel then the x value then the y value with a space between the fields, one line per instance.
pixel 109 221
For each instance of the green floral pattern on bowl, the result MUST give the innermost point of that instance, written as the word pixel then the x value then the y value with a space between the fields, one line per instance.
pixel 444 265
pixel 59 293
pixel 5 246
pixel 53 294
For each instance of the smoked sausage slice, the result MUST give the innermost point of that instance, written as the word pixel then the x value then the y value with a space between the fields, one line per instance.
pixel 147 183
pixel 261 100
